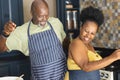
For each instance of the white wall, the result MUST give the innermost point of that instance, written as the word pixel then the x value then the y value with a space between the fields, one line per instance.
pixel 27 6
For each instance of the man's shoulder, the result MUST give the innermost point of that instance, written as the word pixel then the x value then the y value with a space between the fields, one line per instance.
pixel 53 19
pixel 25 24
pixel 22 27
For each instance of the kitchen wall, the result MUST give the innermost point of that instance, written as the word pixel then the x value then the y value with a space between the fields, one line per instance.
pixel 109 33
pixel 27 6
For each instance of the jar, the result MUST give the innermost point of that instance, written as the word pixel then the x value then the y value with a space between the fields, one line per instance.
pixel 69 22
pixel 68 4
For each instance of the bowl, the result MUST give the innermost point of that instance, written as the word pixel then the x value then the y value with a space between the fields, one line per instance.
pixel 11 78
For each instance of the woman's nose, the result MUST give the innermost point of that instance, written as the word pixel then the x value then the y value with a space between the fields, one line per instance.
pixel 88 35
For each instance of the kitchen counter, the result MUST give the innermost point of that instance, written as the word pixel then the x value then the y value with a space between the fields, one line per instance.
pixel 11 56
pixel 14 63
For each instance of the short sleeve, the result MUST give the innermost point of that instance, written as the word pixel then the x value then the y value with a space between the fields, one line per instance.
pixel 18 40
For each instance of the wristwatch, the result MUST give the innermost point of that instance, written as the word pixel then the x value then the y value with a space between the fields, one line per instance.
pixel 3 34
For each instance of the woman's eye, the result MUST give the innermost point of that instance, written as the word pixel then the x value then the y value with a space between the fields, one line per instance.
pixel 93 34
pixel 86 31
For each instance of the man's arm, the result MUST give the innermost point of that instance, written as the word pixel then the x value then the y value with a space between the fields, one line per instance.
pixel 8 28
pixel 2 43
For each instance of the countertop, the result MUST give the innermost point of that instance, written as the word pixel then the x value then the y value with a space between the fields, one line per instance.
pixel 11 56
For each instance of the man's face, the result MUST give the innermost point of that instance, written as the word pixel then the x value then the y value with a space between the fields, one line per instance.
pixel 40 15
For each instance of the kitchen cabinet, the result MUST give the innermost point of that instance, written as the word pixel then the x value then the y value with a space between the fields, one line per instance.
pixel 68 12
pixel 14 63
pixel 11 10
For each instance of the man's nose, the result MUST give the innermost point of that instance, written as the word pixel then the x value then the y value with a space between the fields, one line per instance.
pixel 44 18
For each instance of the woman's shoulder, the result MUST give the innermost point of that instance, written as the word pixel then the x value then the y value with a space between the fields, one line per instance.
pixel 77 42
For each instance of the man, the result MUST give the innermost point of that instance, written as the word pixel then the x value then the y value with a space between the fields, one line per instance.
pixel 40 38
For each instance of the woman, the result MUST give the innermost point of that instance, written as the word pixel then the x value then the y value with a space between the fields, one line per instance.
pixel 83 62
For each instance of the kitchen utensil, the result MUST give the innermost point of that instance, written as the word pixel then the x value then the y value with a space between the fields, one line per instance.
pixel 19 78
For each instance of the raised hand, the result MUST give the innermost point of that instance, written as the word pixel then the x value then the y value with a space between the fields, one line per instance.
pixel 8 28
pixel 116 54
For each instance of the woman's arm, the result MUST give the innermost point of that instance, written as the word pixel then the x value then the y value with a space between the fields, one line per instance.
pixel 79 53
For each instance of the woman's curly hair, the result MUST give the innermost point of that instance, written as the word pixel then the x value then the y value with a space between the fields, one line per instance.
pixel 92 14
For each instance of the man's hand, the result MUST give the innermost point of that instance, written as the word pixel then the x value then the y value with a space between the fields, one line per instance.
pixel 8 28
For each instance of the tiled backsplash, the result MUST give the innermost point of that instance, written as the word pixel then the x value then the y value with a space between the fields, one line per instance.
pixel 109 33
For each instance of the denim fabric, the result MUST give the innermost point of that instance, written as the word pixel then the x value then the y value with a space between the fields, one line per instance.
pixel 82 75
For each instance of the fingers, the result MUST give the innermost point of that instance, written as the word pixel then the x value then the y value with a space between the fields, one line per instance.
pixel 12 23
pixel 118 50
pixel 116 54
pixel 9 27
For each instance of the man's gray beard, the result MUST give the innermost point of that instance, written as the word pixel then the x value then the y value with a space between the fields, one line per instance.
pixel 41 26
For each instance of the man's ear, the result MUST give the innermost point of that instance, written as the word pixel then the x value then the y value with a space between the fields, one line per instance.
pixel 31 12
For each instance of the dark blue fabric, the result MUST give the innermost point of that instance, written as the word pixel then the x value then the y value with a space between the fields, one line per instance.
pixel 82 75
pixel 48 60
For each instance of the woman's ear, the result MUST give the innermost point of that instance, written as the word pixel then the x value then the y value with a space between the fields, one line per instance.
pixel 81 28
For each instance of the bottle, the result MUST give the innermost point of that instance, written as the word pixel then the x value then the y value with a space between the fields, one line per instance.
pixel 75 20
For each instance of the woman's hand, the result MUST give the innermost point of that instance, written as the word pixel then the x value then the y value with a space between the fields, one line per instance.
pixel 116 54
pixel 8 28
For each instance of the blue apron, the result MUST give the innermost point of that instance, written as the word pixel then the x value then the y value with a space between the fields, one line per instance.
pixel 82 75
pixel 48 61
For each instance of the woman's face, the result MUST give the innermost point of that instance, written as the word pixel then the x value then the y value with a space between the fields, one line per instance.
pixel 88 31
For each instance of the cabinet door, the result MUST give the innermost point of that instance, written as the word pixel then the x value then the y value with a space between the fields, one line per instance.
pixel 60 4
pixel 24 68
pixel 15 68
pixel 4 69
pixel 13 7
